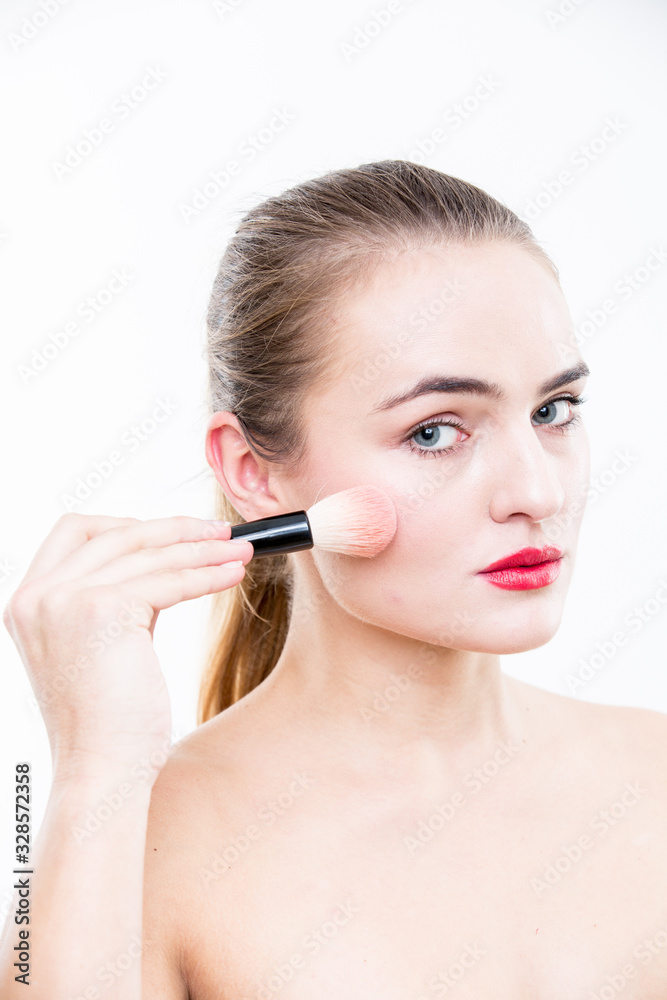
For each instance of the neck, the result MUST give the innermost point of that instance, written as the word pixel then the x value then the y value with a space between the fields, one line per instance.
pixel 391 702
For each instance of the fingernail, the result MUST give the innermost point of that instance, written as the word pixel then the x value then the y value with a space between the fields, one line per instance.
pixel 218 524
pixel 236 562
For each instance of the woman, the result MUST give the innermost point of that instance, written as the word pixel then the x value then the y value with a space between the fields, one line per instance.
pixel 370 807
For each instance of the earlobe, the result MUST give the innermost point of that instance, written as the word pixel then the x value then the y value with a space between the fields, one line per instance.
pixel 241 474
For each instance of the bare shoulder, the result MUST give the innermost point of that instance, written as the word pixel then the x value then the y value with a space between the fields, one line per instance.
pixel 205 774
pixel 631 729
pixel 198 799
pixel 614 738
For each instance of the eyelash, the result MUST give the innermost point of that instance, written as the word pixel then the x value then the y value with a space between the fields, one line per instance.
pixel 565 428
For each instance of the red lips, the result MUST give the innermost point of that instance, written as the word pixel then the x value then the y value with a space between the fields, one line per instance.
pixel 526 557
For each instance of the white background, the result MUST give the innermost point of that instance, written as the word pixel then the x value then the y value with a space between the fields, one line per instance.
pixel 555 79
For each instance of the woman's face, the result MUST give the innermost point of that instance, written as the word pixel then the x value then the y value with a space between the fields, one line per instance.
pixel 495 472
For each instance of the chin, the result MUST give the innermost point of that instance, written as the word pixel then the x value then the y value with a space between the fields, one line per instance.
pixel 521 644
pixel 515 628
pixel 504 637
pixel 498 633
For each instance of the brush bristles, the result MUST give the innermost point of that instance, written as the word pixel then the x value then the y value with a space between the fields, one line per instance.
pixel 360 521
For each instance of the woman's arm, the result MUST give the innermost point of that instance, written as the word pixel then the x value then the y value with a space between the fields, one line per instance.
pixel 167 888
pixel 85 896
pixel 83 620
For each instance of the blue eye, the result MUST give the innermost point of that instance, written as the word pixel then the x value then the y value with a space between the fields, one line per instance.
pixel 557 413
pixel 432 435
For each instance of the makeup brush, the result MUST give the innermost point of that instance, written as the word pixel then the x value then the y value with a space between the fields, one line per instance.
pixel 360 521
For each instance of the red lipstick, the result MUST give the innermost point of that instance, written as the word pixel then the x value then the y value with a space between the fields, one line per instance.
pixel 525 570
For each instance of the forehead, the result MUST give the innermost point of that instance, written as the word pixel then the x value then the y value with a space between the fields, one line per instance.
pixel 484 301
pixel 475 311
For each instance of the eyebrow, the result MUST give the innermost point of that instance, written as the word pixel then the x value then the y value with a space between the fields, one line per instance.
pixel 476 386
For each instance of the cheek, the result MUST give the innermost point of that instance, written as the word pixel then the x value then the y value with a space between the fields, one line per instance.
pixel 383 591
pixel 424 559
pixel 418 579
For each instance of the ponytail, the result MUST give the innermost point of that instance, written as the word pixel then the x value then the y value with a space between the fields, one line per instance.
pixel 247 629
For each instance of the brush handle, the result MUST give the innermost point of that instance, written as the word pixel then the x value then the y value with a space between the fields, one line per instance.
pixel 280 533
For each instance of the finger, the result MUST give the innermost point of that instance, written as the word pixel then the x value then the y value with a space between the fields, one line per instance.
pixel 166 589
pixel 70 532
pixel 119 540
pixel 182 555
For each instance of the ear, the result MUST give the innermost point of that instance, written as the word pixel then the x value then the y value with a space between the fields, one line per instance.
pixel 245 477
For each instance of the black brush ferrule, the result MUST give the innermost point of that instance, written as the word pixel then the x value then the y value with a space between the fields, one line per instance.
pixel 280 533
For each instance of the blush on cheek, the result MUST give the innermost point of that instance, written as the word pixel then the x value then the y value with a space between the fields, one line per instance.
pixel 391 597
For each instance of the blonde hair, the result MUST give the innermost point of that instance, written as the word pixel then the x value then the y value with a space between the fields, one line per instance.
pixel 269 344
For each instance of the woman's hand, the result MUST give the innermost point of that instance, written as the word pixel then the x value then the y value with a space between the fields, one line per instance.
pixel 83 619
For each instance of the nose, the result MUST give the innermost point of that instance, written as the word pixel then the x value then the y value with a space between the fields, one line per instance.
pixel 525 477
